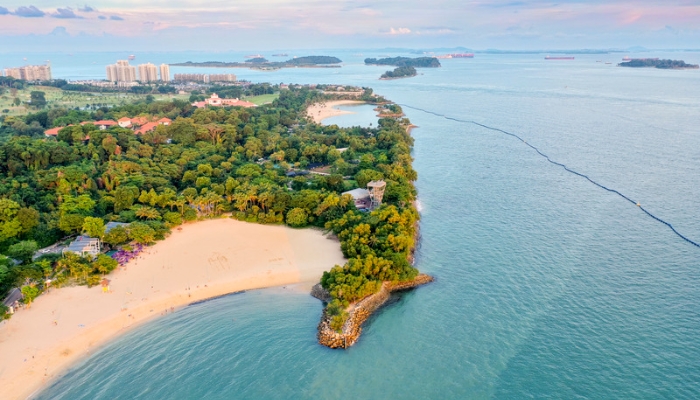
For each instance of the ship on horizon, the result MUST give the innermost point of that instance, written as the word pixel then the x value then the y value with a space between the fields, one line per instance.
pixel 559 58
pixel 456 55
pixel 131 57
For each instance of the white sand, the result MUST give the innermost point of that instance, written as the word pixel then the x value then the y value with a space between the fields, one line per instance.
pixel 321 111
pixel 203 260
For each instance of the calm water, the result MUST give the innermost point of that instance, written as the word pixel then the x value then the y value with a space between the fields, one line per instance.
pixel 547 286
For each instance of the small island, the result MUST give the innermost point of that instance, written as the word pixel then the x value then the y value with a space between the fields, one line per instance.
pixel 418 62
pixel 398 73
pixel 261 63
pixel 657 63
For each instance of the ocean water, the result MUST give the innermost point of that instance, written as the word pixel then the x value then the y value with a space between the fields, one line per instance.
pixel 547 286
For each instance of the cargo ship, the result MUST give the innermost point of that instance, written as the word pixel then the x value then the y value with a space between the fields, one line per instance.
pixel 456 55
pixel 558 58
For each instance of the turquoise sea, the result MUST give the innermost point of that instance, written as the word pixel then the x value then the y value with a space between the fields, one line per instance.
pixel 547 285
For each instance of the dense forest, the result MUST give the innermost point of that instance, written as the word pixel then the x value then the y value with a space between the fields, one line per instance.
pixel 400 72
pixel 207 163
pixel 418 62
pixel 656 63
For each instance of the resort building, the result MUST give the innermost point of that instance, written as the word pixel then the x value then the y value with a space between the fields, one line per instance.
pixel 124 122
pixel 121 72
pixel 30 72
pixel 165 72
pixel 370 198
pixel 101 124
pixel 84 246
pixel 216 101
pixel 148 73
pixel 361 198
pixel 111 225
pixel 149 126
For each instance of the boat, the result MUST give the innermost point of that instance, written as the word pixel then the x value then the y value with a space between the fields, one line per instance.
pixel 558 58
pixel 456 55
pixel 280 55
pixel 254 56
pixel 131 57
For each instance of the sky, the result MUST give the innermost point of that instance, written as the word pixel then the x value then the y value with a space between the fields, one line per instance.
pixel 225 25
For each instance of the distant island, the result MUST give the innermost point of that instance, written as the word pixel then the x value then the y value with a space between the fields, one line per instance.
pixel 263 64
pixel 418 62
pixel 657 63
pixel 400 72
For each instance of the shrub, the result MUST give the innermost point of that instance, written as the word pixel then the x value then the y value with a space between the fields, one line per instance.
pixel 297 217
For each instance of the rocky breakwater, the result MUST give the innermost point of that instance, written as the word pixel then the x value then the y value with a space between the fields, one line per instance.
pixel 358 312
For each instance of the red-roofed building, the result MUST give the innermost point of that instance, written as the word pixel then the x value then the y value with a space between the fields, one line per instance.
pixel 124 122
pixel 101 125
pixel 138 121
pixel 164 121
pixel 216 101
pixel 105 123
pixel 53 131
pixel 147 127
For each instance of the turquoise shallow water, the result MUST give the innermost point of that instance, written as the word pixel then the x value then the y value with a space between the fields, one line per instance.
pixel 547 286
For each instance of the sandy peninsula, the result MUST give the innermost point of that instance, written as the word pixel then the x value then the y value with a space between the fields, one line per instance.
pixel 320 111
pixel 202 260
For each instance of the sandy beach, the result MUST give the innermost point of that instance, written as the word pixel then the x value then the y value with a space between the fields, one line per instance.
pixel 321 111
pixel 202 260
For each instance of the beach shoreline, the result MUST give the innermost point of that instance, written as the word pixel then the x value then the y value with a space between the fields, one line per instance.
pixel 204 260
pixel 320 111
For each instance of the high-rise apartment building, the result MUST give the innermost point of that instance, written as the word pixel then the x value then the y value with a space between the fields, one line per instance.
pixel 30 72
pixel 165 72
pixel 121 72
pixel 148 73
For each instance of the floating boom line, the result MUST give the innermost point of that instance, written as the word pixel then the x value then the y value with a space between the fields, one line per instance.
pixel 546 157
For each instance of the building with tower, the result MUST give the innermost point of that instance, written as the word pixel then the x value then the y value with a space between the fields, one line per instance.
pixel 376 193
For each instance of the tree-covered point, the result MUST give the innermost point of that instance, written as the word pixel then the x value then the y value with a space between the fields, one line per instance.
pixel 656 63
pixel 418 62
pixel 259 62
pixel 207 162
pixel 400 72
pixel 314 60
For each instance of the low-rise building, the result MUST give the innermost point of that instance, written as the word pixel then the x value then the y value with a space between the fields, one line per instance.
pixel 84 246
pixel 124 122
pixel 361 198
pixel 216 101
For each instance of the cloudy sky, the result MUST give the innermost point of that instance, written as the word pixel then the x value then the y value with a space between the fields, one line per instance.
pixel 297 24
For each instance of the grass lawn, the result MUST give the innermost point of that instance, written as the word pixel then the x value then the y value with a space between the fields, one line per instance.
pixel 262 99
pixel 57 98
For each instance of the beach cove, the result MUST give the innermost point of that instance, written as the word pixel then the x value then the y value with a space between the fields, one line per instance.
pixel 203 260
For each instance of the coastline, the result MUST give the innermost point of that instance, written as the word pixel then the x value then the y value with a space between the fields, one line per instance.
pixel 397 77
pixel 359 312
pixel 320 111
pixel 204 260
